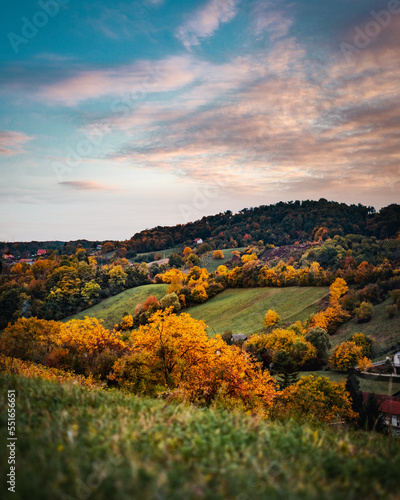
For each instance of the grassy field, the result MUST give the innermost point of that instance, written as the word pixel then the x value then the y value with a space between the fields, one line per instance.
pixel 385 331
pixel 212 264
pixel 78 443
pixel 112 309
pixel 367 384
pixel 165 253
pixel 243 310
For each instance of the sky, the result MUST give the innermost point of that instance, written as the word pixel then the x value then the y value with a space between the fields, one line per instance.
pixel 126 115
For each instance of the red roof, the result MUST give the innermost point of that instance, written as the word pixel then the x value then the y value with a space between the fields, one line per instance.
pixel 41 252
pixel 389 404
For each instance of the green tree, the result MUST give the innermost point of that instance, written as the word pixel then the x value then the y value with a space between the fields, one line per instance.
pixel 319 338
pixel 90 292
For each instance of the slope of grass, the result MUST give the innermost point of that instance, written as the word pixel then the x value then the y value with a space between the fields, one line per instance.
pixel 76 443
pixel 243 310
pixel 385 331
pixel 212 264
pixel 112 309
pixel 384 386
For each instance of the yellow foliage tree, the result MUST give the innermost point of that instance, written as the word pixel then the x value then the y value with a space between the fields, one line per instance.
pixel 175 278
pixel 337 289
pixel 315 398
pixel 299 349
pixel 248 258
pixel 222 270
pixel 88 337
pixel 218 254
pixel 271 318
pixel 346 355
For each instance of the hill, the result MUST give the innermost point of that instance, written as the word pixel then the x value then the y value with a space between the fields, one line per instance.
pixel 279 224
pixel 385 331
pixel 243 310
pixel 91 443
pixel 111 310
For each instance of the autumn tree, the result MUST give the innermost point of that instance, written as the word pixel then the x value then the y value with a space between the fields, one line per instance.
pixel 218 254
pixel 346 355
pixel 289 341
pixel 178 355
pixel 271 318
pixel 315 398
pixel 337 289
pixel 364 341
pixel 90 292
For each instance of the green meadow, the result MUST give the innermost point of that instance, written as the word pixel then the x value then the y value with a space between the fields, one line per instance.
pixel 243 310
pixel 111 310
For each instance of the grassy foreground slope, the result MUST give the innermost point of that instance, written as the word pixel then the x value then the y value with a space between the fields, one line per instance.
pixel 76 443
pixel 112 309
pixel 385 331
pixel 243 310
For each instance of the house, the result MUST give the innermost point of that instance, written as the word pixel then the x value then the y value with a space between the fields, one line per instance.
pixel 238 337
pixel 41 252
pixel 9 257
pixel 396 363
pixel 98 247
pixel 28 261
pixel 198 241
pixel 390 408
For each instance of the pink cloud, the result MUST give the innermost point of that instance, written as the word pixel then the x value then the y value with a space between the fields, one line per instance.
pixel 87 186
pixel 11 143
pixel 129 83
pixel 267 18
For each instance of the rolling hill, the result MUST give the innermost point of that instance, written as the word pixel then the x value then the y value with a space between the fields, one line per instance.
pixel 111 310
pixel 385 331
pixel 243 310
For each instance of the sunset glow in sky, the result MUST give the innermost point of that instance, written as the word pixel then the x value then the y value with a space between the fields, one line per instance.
pixel 120 116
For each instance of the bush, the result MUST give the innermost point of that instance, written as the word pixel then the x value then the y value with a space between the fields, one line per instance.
pixel 364 312
pixel 218 254
pixel 391 310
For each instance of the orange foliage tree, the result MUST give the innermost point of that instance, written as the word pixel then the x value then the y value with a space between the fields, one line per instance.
pixel 175 353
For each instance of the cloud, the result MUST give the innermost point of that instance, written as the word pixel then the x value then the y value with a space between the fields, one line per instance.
pixel 269 18
pixel 87 186
pixel 129 82
pixel 205 21
pixel 280 125
pixel 11 143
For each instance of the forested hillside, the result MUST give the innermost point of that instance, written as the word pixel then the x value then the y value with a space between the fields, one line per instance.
pixel 279 224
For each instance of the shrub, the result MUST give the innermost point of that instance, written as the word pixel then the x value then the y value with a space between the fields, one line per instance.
pixel 364 312
pixel 218 254
pixel 391 310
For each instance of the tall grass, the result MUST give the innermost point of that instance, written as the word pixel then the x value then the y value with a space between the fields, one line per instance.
pixel 80 443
